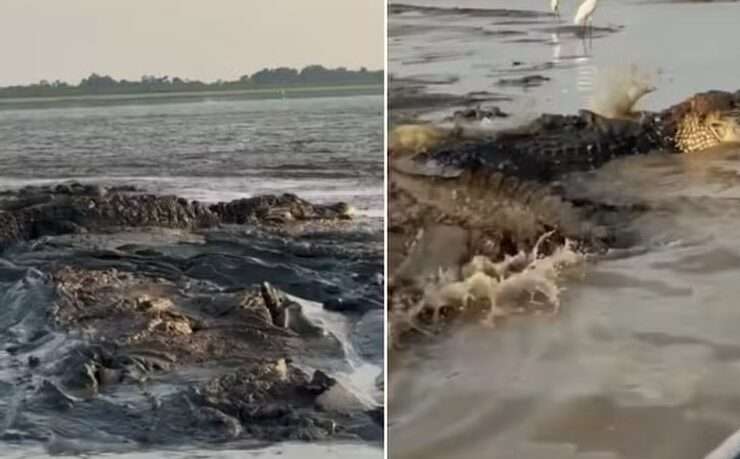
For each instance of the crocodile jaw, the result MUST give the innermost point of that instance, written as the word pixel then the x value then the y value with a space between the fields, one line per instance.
pixel 726 126
pixel 697 133
pixel 694 134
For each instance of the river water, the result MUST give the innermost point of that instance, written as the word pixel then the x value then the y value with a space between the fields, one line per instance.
pixel 643 360
pixel 324 149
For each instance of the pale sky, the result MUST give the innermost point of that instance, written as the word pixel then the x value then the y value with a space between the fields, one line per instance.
pixel 198 39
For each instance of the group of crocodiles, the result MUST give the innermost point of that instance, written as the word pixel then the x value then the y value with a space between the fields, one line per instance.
pixel 126 319
pixel 454 196
pixel 33 212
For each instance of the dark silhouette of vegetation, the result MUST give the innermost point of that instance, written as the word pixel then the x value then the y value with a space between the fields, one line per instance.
pixel 277 78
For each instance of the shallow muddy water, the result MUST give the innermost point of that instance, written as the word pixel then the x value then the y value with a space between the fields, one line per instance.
pixel 644 358
pixel 464 52
pixel 323 149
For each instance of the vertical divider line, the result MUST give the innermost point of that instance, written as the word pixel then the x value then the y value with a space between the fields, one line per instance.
pixel 385 228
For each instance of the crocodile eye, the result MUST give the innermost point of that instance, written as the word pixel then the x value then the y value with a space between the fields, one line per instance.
pixel 719 128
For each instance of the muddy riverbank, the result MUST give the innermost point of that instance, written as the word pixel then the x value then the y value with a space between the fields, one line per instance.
pixel 133 321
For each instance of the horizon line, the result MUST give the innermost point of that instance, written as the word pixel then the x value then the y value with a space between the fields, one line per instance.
pixel 299 68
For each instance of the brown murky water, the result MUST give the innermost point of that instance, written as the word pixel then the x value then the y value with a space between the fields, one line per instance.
pixel 643 361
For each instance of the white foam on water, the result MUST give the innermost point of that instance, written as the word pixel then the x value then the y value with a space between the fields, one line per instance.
pixel 518 284
pixel 360 378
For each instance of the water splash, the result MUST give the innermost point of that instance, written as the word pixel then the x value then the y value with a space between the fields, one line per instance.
pixel 618 89
pixel 528 282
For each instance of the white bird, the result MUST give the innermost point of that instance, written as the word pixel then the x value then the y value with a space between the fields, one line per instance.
pixel 555 7
pixel 584 13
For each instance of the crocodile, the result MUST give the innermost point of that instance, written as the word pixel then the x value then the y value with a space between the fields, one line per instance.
pixel 462 201
pixel 106 326
pixel 554 145
pixel 33 212
pixel 478 183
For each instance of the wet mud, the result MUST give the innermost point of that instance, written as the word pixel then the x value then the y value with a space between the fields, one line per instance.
pixel 133 321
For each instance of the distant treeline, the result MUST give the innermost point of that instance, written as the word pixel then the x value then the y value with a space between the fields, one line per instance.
pixel 278 78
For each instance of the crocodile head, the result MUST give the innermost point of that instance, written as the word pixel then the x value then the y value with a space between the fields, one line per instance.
pixel 725 125
pixel 704 120
pixel 698 132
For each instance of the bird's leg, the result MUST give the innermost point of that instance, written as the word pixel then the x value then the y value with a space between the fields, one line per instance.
pixel 590 33
pixel 583 35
